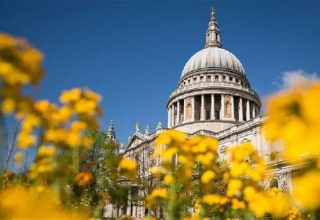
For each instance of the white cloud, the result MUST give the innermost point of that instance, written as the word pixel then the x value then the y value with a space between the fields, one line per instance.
pixel 293 79
pixel 296 79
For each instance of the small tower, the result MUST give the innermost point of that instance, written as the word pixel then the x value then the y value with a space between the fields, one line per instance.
pixel 111 134
pixel 213 32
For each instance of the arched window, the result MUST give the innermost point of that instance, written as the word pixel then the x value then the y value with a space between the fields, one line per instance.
pixel 189 111
pixel 227 107
pixel 245 140
pixel 274 183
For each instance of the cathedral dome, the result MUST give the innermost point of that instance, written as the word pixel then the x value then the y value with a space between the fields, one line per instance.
pixel 213 92
pixel 213 57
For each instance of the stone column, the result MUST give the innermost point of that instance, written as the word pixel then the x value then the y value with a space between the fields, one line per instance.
pixel 222 108
pixel 232 108
pixel 202 113
pixel 193 109
pixel 253 111
pixel 134 211
pixel 129 203
pixel 248 110
pixel 169 117
pixel 178 112
pixel 240 110
pixel 212 106
pixel 184 110
pixel 172 115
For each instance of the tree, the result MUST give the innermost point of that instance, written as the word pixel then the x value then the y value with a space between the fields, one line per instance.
pixel 102 162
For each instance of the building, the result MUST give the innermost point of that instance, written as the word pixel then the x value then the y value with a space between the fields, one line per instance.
pixel 214 98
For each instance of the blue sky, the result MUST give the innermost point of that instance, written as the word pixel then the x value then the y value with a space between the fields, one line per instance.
pixel 133 52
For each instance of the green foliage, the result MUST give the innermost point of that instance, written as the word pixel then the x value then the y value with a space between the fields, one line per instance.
pixel 102 161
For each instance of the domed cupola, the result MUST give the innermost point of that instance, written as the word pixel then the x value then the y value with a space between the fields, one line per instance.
pixel 213 92
pixel 213 55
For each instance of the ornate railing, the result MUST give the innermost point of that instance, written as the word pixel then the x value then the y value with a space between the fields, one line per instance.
pixel 211 84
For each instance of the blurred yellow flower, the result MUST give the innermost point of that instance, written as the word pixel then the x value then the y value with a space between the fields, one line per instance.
pixel 84 178
pixel 307 190
pixel 168 154
pixel 207 176
pixel 156 196
pixel 213 199
pixel 168 179
pixel 70 95
pixel 236 204
pixel 30 204
pixel 46 151
pixel 18 158
pixel 234 186
pixel 294 120
pixel 157 171
pixel 128 164
pixel 25 140
pixel 165 138
pixel 8 106
pixel 249 193
pixel 128 167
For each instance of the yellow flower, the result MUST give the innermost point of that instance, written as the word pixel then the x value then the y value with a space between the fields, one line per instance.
pixel 70 96
pixel 128 164
pixel 32 204
pixel 197 206
pixel 207 176
pixel 168 154
pixel 85 106
pixel 45 168
pixel 8 106
pixel 156 196
pixel 46 151
pixel 307 190
pixel 25 140
pixel 205 159
pixel 241 152
pixel 62 115
pixel 18 158
pixel 309 104
pixel 211 199
pixel 56 135
pixel 6 41
pixel 73 139
pixel 166 137
pixel 249 193
pixel 87 142
pixel 157 171
pixel 236 204
pixel 78 125
pixel 92 95
pixel 168 179
pixel 260 205
pixel 83 178
pixel 238 169
pixel 42 106
pixel 160 192
pixel 30 122
pixel 294 120
pixel 233 187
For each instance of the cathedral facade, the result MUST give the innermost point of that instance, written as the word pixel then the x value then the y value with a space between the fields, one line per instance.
pixel 214 98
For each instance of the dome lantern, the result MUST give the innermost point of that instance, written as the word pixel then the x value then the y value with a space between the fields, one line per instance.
pixel 213 32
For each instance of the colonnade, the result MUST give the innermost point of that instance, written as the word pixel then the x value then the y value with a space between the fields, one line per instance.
pixel 211 107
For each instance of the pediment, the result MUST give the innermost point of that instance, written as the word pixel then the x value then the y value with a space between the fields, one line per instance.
pixel 135 140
